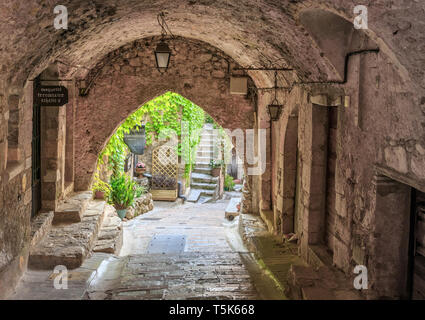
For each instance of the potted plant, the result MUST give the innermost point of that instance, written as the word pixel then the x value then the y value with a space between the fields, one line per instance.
pixel 229 184
pixel 100 188
pixel 216 167
pixel 140 168
pixel 122 193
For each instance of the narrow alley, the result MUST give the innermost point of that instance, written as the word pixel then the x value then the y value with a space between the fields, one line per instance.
pixel 177 251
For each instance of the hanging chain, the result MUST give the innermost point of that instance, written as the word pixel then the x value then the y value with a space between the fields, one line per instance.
pixel 275 88
pixel 165 30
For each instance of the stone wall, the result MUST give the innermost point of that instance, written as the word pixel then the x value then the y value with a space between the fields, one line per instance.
pixel 379 132
pixel 15 185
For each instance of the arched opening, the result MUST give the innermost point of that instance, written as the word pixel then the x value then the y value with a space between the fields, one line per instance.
pixel 106 54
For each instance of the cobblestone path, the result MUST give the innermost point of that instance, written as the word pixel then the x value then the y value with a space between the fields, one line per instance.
pixel 205 264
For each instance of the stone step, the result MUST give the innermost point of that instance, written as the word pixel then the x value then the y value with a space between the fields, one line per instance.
pixel 72 208
pixel 206 170
pixel 207 141
pixel 69 244
pixel 202 193
pixel 203 178
pixel 207 193
pixel 205 147
pixel 202 165
pixel 200 185
pixel 203 160
pixel 205 152
pixel 209 136
pixel 231 210
pixel 194 195
pixel 204 199
pixel 40 226
pixel 110 236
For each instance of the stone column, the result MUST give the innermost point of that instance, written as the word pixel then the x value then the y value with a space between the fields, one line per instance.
pixel 53 137
pixel 313 149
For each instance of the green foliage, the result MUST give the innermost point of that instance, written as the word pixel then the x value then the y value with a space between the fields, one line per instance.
pixel 208 119
pixel 122 191
pixel 228 183
pixel 163 116
pixel 100 185
pixel 139 191
pixel 214 163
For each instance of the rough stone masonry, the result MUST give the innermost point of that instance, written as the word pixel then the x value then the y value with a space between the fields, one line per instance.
pixel 345 163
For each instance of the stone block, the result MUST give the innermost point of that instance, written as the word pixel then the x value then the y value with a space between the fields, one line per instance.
pixel 135 62
pixel 340 205
pixel 69 244
pixel 341 256
pixel 396 158
pixel 3 155
pixel 317 293
pixel 417 165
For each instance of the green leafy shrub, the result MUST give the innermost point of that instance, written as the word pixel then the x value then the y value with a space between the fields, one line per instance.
pixel 139 190
pixel 100 185
pixel 208 119
pixel 164 116
pixel 228 183
pixel 122 191
pixel 216 163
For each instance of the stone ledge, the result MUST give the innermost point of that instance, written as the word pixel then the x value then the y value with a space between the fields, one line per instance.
pixel 110 236
pixel 13 169
pixel 323 283
pixel 69 244
pixel 71 210
pixel 40 226
pixel 268 218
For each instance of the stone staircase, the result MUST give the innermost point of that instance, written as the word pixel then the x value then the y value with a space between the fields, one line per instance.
pixel 70 234
pixel 204 187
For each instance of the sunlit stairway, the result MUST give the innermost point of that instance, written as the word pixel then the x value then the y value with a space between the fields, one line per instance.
pixel 204 187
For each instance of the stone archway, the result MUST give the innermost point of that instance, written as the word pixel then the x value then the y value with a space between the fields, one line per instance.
pixel 127 78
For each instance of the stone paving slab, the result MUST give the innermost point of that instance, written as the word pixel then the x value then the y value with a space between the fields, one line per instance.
pixel 110 237
pixel 213 265
pixel 193 275
pixel 39 284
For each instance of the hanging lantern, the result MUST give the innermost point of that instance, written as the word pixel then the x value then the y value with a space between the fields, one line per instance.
pixel 275 109
pixel 162 56
pixel 136 140
pixel 163 51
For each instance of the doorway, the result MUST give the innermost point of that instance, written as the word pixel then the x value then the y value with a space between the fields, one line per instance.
pixel 36 154
pixel 416 278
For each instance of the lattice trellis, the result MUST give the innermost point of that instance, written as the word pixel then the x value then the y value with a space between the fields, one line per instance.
pixel 164 168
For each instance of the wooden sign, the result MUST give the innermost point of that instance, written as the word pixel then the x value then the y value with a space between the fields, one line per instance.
pixel 51 96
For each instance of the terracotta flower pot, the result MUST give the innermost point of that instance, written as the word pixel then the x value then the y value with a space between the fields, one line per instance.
pixel 99 195
pixel 215 172
pixel 140 171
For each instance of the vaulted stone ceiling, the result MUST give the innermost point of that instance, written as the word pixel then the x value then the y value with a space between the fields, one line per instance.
pixel 252 32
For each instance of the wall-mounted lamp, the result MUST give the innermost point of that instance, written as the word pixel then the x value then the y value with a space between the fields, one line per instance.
pixel 163 51
pixel 275 109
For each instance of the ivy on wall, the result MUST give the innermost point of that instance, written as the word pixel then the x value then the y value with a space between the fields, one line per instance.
pixel 165 117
